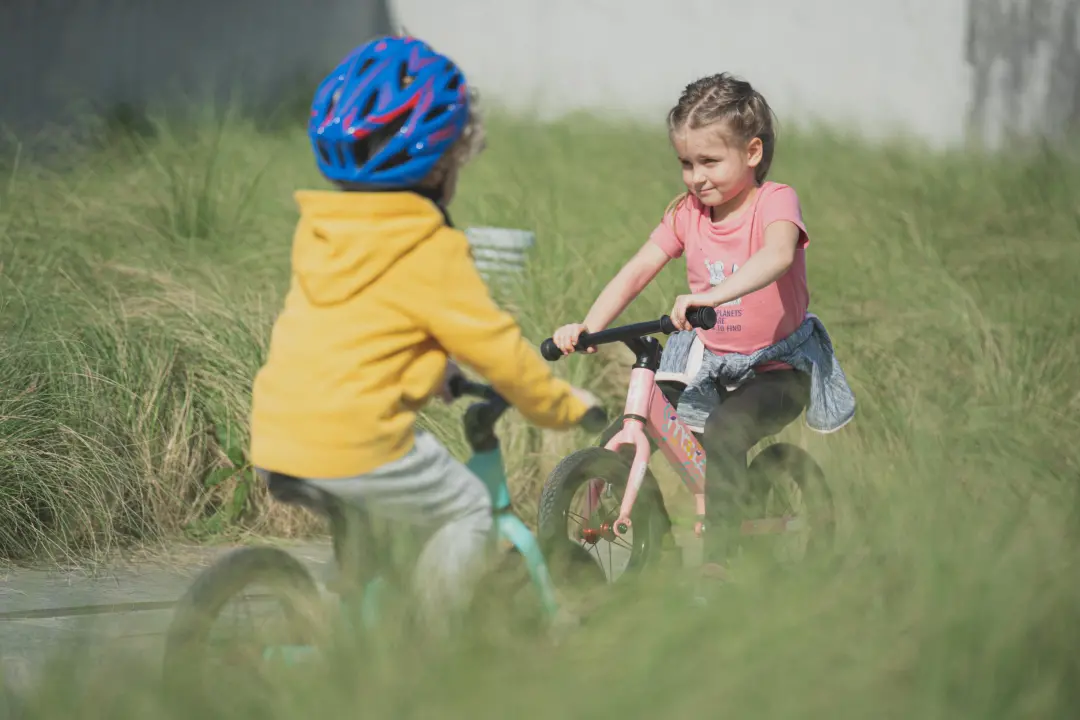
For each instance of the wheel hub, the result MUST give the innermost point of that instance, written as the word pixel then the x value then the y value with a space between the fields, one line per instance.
pixel 594 535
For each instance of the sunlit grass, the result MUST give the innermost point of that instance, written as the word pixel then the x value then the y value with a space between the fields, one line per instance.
pixel 136 296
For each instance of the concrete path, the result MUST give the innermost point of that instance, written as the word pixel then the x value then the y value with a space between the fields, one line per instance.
pixel 126 606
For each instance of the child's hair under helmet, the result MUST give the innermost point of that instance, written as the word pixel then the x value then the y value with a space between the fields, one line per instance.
pixel 386 115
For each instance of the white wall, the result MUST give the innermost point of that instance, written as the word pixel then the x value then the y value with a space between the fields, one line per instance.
pixel 931 67
pixel 877 66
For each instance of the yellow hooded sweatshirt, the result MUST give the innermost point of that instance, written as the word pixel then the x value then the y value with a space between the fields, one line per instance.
pixel 382 291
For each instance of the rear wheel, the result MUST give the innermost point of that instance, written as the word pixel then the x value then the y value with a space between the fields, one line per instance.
pixel 571 518
pixel 203 666
pixel 792 497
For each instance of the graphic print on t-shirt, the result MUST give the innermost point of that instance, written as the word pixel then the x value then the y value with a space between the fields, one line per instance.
pixel 717 276
pixel 715 250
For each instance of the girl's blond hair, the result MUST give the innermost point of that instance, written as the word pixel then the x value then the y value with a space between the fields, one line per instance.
pixel 736 109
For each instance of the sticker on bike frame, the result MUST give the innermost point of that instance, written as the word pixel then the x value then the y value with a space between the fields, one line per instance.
pixel 678 439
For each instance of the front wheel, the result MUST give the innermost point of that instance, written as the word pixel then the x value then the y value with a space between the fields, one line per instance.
pixel 505 603
pixel 580 502
pixel 199 666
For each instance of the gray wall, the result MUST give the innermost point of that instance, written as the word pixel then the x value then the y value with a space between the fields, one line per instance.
pixel 56 54
pixel 1025 60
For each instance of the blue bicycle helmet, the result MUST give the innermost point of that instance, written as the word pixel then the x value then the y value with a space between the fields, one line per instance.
pixel 387 113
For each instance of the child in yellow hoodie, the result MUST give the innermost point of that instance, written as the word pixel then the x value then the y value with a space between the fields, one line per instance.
pixel 383 291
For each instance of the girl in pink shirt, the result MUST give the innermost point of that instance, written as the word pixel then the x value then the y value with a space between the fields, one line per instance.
pixel 744 241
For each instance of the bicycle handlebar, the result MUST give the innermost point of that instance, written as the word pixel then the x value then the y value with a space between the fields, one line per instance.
pixel 461 386
pixel 699 317
pixel 595 419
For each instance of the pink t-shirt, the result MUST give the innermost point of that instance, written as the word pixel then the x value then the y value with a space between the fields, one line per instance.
pixel 716 250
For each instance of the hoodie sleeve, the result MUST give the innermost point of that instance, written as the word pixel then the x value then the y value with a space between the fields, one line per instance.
pixel 455 307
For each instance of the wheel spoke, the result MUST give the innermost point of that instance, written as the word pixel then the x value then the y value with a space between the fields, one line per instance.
pixel 584 520
pixel 588 489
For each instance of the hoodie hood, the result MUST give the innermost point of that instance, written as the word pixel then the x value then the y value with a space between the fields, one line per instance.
pixel 345 241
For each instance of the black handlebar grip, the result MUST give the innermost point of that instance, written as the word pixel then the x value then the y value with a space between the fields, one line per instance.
pixel 550 351
pixel 702 317
pixel 698 317
pixel 458 386
pixel 594 420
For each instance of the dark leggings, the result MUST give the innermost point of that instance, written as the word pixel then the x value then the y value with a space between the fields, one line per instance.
pixel 763 406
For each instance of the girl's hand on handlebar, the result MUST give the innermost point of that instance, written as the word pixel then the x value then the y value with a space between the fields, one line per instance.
pixel 567 336
pixel 684 303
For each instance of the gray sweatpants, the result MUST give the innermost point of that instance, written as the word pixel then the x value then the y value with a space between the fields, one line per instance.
pixel 447 506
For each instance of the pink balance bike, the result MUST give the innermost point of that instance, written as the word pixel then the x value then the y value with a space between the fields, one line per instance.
pixel 606 500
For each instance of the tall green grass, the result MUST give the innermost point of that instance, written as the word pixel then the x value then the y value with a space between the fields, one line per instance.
pixel 137 290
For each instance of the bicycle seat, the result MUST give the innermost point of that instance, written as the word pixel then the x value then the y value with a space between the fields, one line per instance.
pixel 672 389
pixel 294 491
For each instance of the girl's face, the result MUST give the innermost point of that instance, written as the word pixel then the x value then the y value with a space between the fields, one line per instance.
pixel 715 170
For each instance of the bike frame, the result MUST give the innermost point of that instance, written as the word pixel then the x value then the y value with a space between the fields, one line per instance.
pixel 649 418
pixel 487 463
pixel 489 467
pixel 648 415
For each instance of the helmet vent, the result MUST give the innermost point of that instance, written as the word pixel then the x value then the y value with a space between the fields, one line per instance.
pixel 435 112
pixel 365 148
pixel 369 104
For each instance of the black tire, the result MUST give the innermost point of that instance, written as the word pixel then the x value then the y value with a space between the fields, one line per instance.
pixel 197 610
pixel 651 525
pixel 784 459
pixel 506 601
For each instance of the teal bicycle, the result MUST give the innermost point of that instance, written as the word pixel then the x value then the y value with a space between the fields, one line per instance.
pixel 368 587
